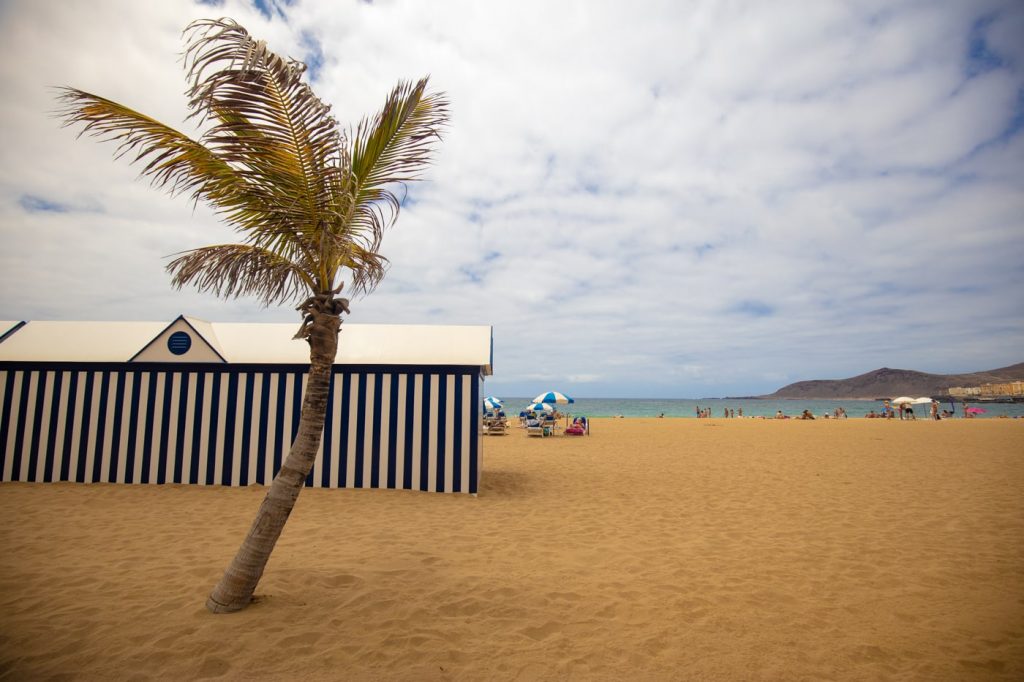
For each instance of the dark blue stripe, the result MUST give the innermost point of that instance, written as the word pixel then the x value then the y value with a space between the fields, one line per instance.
pixel 165 430
pixel 69 425
pixel 393 431
pixel 424 453
pixel 456 435
pixel 197 428
pixel 133 420
pixel 51 444
pixel 410 405
pixel 243 466
pixel 474 434
pixel 345 436
pixel 378 400
pixel 5 418
pixel 442 426
pixel 101 429
pixel 147 436
pixel 37 424
pixel 19 433
pixel 360 432
pixel 183 418
pixel 83 443
pixel 229 429
pixel 115 427
pixel 261 446
pixel 211 438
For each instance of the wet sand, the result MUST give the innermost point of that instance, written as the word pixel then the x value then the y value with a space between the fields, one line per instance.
pixel 655 549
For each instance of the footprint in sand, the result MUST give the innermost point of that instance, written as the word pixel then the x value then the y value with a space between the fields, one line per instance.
pixel 213 667
pixel 542 632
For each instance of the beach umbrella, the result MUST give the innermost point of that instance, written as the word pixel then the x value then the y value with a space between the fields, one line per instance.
pixel 901 400
pixel 540 407
pixel 552 397
pixel 492 403
pixel 922 401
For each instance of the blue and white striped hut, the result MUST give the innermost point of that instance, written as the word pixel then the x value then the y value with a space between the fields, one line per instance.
pixel 218 403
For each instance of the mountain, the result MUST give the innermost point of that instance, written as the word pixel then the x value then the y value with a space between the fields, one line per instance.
pixel 886 382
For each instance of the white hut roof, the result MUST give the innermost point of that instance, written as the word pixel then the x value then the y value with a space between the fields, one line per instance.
pixel 249 343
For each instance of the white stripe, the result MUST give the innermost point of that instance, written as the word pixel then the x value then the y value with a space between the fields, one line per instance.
pixel 336 430
pixel 187 454
pixel 76 427
pixel 108 428
pixel 449 434
pixel 272 397
pixel 236 458
pixel 222 411
pixel 126 425
pixel 254 426
pixel 353 416
pixel 385 427
pixel 12 430
pixel 417 426
pixel 62 412
pixel 29 422
pixel 286 427
pixel 433 426
pixel 400 431
pixel 204 431
pixel 94 419
pixel 172 426
pixel 44 427
pixel 140 425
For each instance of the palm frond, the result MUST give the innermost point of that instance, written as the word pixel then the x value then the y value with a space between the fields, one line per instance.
pixel 173 160
pixel 266 119
pixel 392 148
pixel 231 270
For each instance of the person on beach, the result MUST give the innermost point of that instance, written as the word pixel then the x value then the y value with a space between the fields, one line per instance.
pixel 935 410
pixel 807 415
pixel 779 415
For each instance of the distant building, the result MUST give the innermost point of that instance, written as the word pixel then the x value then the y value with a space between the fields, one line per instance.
pixel 205 403
pixel 1006 389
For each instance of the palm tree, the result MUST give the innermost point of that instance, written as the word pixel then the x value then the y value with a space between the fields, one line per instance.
pixel 309 200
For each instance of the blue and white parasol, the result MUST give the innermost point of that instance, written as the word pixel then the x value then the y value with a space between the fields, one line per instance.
pixel 540 407
pixel 492 403
pixel 553 397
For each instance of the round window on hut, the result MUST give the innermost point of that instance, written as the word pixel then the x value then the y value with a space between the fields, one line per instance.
pixel 179 343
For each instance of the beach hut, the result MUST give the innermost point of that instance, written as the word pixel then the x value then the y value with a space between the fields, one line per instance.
pixel 204 403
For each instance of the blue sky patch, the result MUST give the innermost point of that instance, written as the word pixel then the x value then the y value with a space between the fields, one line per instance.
pixel 754 308
pixel 34 204
pixel 314 56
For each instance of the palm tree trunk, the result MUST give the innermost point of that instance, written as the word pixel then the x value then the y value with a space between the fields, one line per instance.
pixel 234 591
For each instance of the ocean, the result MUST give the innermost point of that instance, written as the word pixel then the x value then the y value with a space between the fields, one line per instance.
pixel 751 407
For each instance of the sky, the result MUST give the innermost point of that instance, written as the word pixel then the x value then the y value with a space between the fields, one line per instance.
pixel 648 199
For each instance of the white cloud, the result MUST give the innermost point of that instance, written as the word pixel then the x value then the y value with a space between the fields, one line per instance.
pixel 695 199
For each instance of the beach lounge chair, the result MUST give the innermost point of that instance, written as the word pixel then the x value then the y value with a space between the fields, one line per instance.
pixel 580 427
pixel 534 427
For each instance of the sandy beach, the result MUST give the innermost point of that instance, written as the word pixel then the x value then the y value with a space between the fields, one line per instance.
pixel 655 549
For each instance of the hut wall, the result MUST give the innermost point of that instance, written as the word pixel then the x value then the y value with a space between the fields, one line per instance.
pixel 414 428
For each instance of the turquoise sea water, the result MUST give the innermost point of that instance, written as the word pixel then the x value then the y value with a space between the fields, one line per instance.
pixel 752 407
